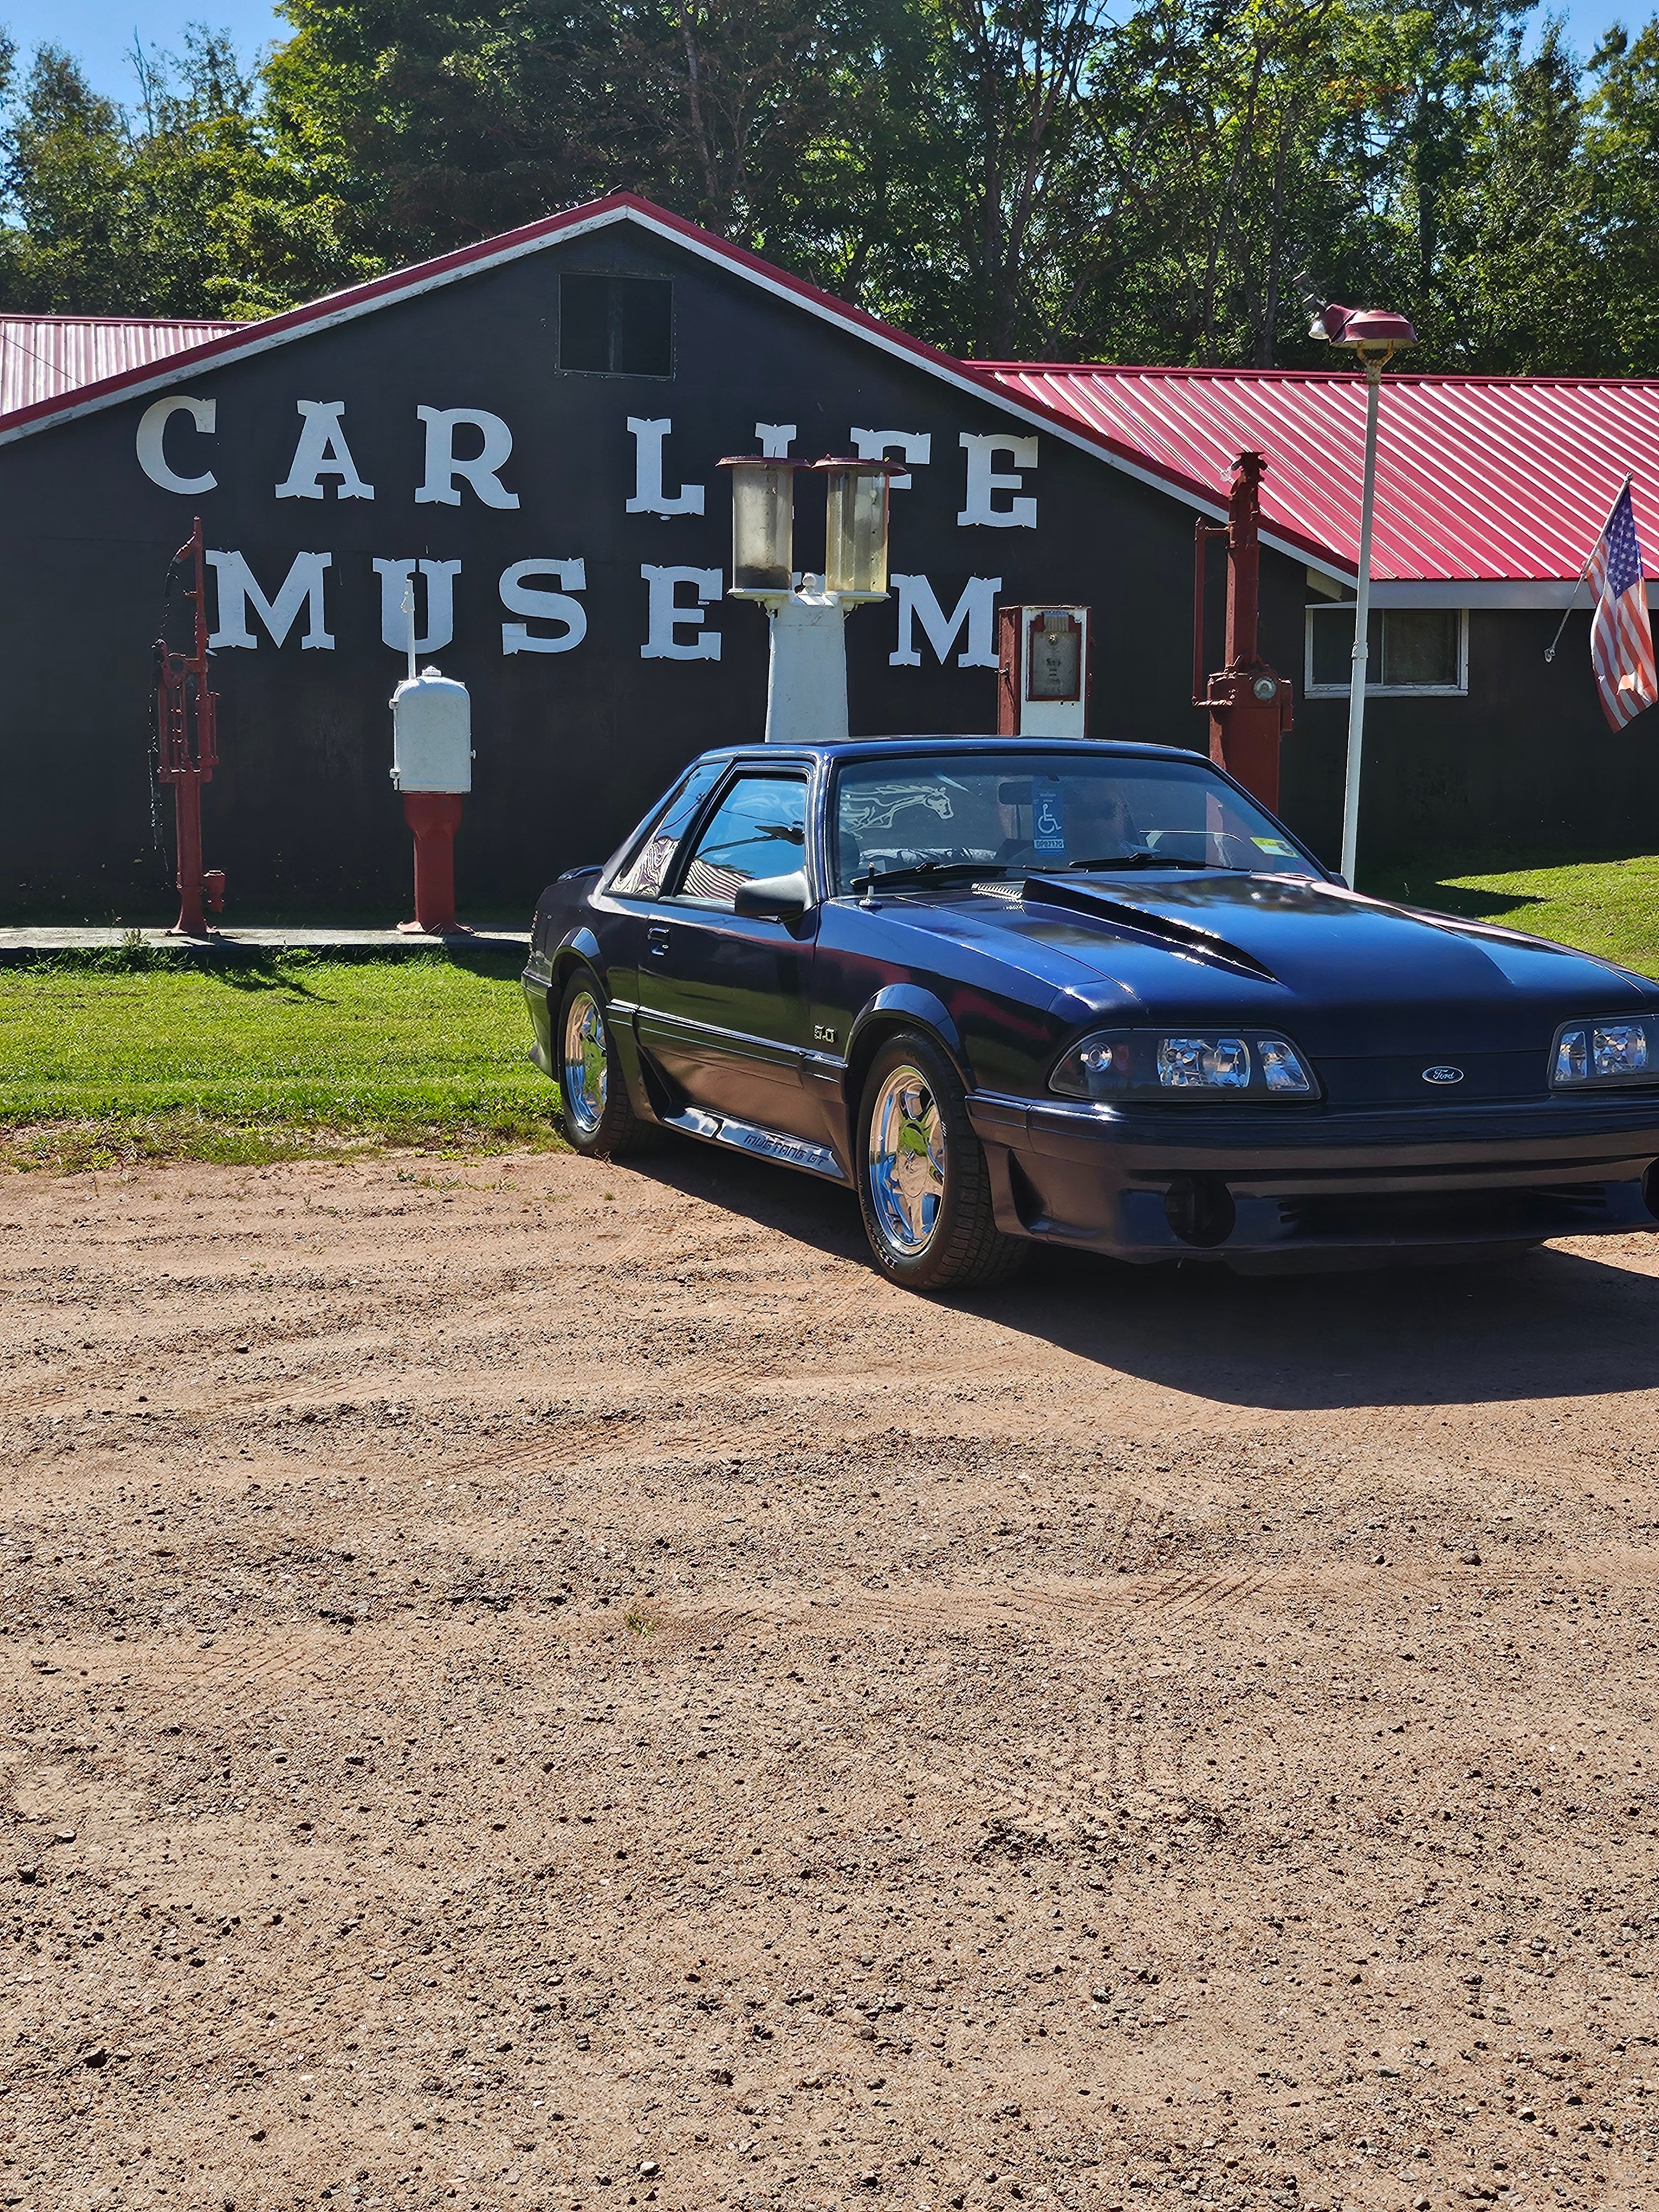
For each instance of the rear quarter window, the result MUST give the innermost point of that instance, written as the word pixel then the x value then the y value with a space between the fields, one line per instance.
pixel 643 874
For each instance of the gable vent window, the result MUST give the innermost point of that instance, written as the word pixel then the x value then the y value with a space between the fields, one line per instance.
pixel 617 325
pixel 1412 649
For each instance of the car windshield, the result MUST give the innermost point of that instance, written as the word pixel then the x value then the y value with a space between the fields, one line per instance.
pixel 1019 812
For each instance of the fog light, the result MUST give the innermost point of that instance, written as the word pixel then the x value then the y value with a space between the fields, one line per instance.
pixel 1199 1209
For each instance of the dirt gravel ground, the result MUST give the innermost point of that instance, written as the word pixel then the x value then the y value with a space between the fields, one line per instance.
pixel 538 1684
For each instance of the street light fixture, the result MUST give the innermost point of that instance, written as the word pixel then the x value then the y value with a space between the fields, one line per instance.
pixel 1373 336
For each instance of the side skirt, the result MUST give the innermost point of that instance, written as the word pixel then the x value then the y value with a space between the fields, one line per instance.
pixel 748 1137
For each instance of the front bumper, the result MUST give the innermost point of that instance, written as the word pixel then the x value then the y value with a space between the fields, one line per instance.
pixel 1317 1186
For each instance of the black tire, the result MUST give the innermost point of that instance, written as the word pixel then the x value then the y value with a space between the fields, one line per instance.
pixel 937 1232
pixel 597 1114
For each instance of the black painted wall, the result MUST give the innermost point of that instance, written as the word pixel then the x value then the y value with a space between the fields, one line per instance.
pixel 571 747
pixel 1524 764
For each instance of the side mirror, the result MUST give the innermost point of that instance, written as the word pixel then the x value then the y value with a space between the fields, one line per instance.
pixel 773 898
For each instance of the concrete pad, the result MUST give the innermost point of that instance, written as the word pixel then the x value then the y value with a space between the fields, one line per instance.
pixel 28 944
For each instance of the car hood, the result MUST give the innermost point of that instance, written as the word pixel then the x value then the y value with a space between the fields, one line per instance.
pixel 1343 974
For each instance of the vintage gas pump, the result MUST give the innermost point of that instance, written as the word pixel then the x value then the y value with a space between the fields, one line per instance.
pixel 806 678
pixel 1042 671
pixel 186 744
pixel 432 766
pixel 1249 702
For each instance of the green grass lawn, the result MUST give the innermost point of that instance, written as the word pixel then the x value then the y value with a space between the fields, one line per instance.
pixel 1610 907
pixel 123 1058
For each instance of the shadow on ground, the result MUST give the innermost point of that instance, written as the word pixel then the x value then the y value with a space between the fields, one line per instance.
pixel 1552 1323
pixel 1432 880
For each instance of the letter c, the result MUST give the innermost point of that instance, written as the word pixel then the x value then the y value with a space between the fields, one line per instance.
pixel 151 431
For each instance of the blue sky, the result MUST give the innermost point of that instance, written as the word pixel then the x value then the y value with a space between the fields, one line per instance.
pixel 101 32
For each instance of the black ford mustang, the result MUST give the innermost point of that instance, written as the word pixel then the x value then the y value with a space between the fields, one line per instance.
pixel 1087 994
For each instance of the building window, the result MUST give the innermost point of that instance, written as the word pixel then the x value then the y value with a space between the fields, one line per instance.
pixel 1411 649
pixel 617 325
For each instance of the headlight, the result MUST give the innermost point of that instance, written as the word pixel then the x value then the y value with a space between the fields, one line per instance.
pixel 1193 1063
pixel 1239 1064
pixel 1605 1052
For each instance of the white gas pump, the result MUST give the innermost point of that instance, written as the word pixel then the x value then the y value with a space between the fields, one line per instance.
pixel 1042 671
pixel 806 680
pixel 432 767
pixel 431 735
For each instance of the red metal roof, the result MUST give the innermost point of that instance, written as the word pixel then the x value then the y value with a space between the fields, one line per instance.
pixel 1500 478
pixel 43 356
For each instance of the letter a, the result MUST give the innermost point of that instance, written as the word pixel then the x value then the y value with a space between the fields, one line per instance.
pixel 322 451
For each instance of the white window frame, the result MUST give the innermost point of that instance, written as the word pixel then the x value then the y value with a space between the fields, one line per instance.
pixel 1312 690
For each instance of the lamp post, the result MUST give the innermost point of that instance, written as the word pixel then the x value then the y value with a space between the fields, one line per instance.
pixel 1373 336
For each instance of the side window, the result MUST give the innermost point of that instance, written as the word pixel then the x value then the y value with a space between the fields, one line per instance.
pixel 759 828
pixel 642 875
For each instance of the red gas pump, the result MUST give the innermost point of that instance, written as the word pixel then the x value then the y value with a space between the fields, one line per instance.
pixel 432 766
pixel 1249 702
pixel 186 733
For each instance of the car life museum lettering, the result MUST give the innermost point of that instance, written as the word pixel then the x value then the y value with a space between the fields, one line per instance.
pixel 523 439
pixel 467 449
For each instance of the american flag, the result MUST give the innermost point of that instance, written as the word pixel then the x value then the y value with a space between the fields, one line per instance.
pixel 1621 639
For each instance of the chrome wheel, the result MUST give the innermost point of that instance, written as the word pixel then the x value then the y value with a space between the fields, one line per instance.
pixel 583 1082
pixel 907 1163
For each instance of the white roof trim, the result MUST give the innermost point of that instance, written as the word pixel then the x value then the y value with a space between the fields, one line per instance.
pixel 178 370
pixel 1541 591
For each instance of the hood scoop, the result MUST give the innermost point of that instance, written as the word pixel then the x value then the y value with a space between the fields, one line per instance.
pixel 1147 926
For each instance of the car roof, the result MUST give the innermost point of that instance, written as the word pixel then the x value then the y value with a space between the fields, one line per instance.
pixel 845 749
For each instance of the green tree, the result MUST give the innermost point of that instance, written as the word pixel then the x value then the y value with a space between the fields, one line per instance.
pixel 184 209
pixel 1519 283
pixel 1621 167
pixel 1227 164
pixel 1040 178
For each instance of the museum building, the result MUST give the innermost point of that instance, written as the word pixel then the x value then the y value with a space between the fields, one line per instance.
pixel 527 434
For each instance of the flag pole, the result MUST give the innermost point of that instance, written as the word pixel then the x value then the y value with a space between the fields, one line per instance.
pixel 1549 650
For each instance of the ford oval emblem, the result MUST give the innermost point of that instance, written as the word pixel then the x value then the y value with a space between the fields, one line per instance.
pixel 1442 1075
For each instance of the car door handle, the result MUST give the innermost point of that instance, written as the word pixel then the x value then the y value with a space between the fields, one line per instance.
pixel 656 937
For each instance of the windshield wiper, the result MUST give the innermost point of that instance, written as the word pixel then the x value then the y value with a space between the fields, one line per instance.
pixel 928 872
pixel 1140 861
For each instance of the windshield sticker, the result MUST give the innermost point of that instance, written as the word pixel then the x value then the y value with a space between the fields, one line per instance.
pixel 877 806
pixel 1047 819
pixel 1275 845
